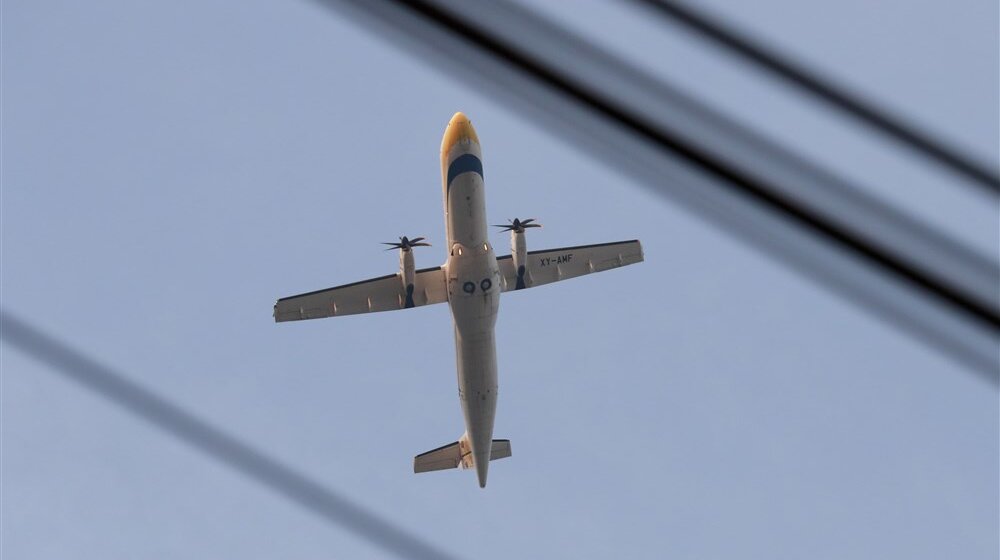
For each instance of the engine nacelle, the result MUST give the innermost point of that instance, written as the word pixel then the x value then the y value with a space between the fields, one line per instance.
pixel 519 253
pixel 519 248
pixel 407 274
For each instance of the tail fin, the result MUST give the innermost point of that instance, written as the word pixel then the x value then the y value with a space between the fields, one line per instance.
pixel 456 455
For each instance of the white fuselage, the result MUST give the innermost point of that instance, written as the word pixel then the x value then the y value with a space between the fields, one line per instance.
pixel 471 281
pixel 473 286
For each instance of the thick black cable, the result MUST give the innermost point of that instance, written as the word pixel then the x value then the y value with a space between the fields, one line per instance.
pixel 674 144
pixel 215 443
pixel 875 117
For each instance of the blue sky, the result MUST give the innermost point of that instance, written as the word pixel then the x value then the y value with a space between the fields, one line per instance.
pixel 170 169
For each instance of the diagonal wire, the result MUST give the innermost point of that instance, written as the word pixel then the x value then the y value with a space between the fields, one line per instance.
pixel 875 117
pixel 889 264
pixel 759 190
pixel 228 450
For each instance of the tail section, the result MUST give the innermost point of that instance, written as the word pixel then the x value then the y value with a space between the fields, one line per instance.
pixel 459 455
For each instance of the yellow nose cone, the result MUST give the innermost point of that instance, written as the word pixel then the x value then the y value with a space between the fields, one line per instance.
pixel 459 129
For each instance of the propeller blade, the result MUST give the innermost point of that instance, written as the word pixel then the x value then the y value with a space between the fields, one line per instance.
pixel 405 243
pixel 517 225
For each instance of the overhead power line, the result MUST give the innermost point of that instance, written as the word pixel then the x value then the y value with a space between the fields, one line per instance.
pixel 838 96
pixel 893 266
pixel 215 443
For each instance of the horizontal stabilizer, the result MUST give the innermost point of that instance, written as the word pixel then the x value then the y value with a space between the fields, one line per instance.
pixel 456 455
pixel 500 449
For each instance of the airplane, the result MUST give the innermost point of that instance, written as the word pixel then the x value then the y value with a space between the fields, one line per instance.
pixel 470 281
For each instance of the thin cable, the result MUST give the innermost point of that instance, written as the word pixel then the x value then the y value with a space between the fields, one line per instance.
pixel 609 109
pixel 675 145
pixel 837 96
pixel 215 443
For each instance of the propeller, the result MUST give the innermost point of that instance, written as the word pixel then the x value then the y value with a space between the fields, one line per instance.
pixel 405 243
pixel 517 226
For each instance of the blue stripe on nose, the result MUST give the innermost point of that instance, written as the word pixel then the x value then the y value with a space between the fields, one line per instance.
pixel 463 164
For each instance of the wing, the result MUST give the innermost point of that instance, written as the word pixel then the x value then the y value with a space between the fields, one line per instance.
pixel 378 294
pixel 552 265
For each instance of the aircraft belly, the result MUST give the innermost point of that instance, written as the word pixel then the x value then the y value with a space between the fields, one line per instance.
pixel 467 211
pixel 473 285
pixel 477 387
